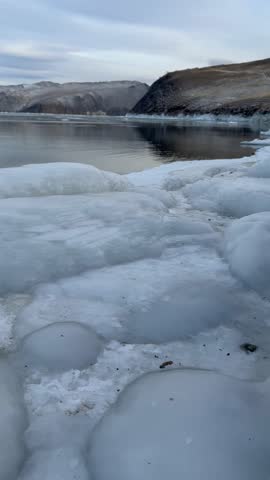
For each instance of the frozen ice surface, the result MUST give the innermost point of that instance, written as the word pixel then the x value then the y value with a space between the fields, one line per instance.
pixel 12 423
pixel 169 264
pixel 184 424
pixel 60 346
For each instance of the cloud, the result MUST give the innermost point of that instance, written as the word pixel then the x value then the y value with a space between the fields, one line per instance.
pixel 100 40
pixel 26 62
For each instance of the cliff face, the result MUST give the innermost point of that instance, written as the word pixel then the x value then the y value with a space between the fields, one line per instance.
pixel 113 98
pixel 242 88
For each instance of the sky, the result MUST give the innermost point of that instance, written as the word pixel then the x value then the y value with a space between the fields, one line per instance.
pixel 98 40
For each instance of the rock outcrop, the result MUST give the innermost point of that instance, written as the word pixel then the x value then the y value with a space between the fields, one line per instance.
pixel 236 89
pixel 111 98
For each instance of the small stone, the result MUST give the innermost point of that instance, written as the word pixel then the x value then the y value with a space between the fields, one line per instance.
pixel 248 347
pixel 166 364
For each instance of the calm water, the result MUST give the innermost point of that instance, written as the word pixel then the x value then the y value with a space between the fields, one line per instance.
pixel 115 144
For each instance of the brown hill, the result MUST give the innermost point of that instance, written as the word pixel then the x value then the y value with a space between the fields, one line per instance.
pixel 242 88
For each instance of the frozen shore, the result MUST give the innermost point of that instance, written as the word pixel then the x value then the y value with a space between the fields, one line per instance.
pixel 114 277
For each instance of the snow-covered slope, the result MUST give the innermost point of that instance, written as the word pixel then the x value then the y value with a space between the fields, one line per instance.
pixel 104 278
pixel 113 98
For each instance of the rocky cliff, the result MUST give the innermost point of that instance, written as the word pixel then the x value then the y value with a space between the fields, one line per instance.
pixel 242 88
pixel 112 98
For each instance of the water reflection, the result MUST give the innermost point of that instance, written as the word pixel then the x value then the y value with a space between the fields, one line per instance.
pixel 197 142
pixel 116 145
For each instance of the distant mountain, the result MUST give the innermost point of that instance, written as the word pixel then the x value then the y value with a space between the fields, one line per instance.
pixel 242 88
pixel 112 98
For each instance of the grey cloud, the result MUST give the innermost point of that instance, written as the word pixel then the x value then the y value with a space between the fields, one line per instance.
pixel 14 76
pixel 26 62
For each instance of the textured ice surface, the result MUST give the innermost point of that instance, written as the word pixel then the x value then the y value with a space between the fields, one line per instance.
pixel 149 301
pixel 60 346
pixel 12 423
pixel 184 424
pixel 43 239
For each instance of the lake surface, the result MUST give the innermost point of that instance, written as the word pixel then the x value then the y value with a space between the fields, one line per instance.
pixel 116 144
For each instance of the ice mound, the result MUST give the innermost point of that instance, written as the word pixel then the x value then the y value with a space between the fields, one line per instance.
pixel 177 179
pixel 58 445
pixel 257 142
pixel 262 166
pixel 247 250
pixel 186 424
pixel 233 197
pixel 61 346
pixel 184 172
pixel 57 179
pixel 12 422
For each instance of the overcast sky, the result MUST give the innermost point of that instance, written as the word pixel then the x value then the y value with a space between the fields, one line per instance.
pixel 90 40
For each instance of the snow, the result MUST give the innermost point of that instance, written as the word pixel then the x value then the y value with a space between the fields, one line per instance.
pixel 106 277
pixel 184 424
pixel 71 345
